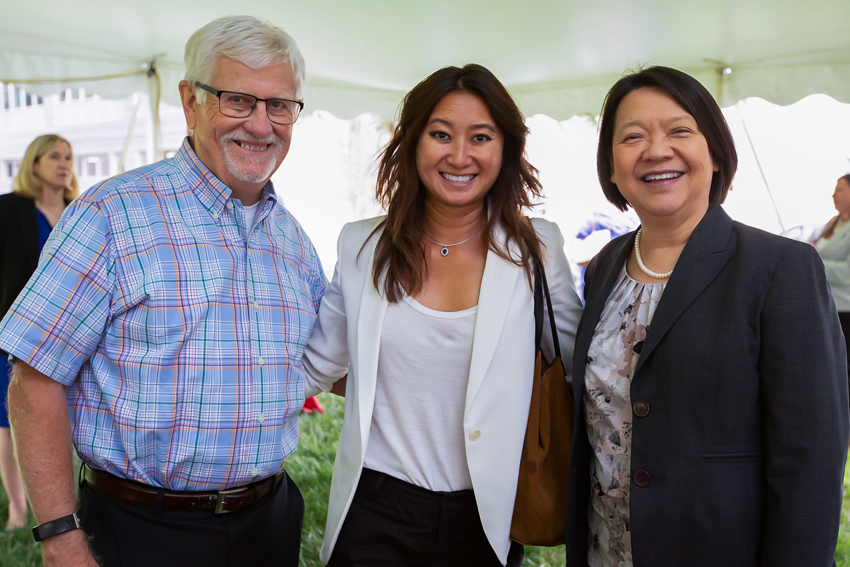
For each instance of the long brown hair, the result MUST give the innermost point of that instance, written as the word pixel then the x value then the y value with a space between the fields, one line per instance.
pixel 400 258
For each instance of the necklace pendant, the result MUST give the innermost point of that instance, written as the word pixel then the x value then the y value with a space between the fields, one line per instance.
pixel 444 252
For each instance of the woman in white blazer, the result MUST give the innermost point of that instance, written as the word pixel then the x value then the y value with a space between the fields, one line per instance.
pixel 833 245
pixel 430 315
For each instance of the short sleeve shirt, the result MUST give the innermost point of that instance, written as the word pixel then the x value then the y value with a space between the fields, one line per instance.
pixel 178 326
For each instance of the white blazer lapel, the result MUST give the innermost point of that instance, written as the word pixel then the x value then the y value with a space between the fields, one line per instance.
pixel 497 288
pixel 373 307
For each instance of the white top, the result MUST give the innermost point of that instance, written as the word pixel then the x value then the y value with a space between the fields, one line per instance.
pixel 346 339
pixel 423 370
pixel 251 213
pixel 835 252
pixel 611 362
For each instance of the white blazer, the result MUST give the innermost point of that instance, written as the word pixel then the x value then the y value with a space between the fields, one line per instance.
pixel 347 336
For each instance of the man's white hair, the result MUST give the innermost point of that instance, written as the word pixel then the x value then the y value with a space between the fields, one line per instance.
pixel 251 41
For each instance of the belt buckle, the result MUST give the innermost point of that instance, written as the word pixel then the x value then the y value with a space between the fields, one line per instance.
pixel 222 497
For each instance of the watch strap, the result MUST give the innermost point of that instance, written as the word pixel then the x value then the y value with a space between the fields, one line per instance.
pixel 56 527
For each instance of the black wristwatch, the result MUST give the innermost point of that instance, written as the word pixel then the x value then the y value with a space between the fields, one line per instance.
pixel 56 527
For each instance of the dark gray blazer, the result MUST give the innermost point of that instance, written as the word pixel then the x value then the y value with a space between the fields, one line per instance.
pixel 745 375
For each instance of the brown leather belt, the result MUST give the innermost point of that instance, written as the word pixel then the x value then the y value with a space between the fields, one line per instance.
pixel 218 501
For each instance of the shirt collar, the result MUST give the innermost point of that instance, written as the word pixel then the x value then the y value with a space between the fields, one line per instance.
pixel 210 191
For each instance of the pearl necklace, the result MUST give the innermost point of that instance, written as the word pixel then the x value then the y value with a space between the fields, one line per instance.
pixel 642 266
pixel 445 251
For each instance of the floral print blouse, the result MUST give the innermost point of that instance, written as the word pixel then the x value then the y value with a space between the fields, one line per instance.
pixel 608 413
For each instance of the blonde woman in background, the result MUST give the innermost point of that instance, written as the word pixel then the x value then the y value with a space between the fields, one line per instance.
pixel 44 185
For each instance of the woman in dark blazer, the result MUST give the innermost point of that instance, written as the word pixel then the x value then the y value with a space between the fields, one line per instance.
pixel 709 372
pixel 44 185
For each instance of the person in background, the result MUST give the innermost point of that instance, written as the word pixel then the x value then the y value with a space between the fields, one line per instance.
pixel 43 187
pixel 833 245
pixel 596 231
pixel 710 375
pixel 430 313
pixel 170 312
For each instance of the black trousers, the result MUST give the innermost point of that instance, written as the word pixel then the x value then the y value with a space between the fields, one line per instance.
pixel 126 535
pixel 844 319
pixel 393 523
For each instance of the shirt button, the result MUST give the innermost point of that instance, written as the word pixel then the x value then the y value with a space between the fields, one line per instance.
pixel 262 418
pixel 215 216
pixel 256 305
pixel 253 472
pixel 474 435
pixel 230 204
pixel 260 361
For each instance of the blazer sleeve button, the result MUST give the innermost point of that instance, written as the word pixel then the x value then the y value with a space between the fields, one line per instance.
pixel 640 478
pixel 641 408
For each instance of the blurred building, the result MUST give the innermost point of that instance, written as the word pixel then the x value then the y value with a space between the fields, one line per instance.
pixel 108 136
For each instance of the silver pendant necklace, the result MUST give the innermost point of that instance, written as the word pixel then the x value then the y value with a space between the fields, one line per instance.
pixel 445 251
pixel 640 263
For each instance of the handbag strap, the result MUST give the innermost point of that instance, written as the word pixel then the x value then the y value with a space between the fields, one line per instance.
pixel 541 289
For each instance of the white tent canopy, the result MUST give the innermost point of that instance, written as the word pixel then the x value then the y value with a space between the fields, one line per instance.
pixel 558 57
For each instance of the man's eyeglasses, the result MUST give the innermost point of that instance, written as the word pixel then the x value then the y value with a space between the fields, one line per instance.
pixel 240 105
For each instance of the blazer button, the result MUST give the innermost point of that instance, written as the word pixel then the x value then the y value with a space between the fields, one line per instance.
pixel 641 408
pixel 474 435
pixel 641 478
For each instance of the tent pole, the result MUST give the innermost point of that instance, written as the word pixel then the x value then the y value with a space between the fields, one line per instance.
pixel 740 106
pixel 129 136
pixel 154 94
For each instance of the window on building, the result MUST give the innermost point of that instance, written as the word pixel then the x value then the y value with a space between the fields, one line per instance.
pixel 93 166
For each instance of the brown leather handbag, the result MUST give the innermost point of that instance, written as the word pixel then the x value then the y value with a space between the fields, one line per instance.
pixel 540 510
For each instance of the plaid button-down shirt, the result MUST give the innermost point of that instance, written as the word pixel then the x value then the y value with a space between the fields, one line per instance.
pixel 178 328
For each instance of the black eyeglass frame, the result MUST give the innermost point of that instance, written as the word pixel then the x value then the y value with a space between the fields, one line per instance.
pixel 257 99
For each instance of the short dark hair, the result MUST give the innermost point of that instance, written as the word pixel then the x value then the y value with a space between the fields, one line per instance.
pixel 399 253
pixel 693 97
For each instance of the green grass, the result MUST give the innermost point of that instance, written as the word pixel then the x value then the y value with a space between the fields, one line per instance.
pixel 842 549
pixel 311 468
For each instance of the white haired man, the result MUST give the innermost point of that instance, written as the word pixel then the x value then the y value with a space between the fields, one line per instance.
pixel 170 311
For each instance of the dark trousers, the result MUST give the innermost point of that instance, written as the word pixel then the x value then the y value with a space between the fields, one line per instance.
pixel 844 319
pixel 126 535
pixel 392 523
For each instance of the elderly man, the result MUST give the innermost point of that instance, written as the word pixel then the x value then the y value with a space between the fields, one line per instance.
pixel 170 311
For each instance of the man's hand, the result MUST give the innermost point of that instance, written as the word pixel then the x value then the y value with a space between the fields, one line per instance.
pixel 339 386
pixel 41 428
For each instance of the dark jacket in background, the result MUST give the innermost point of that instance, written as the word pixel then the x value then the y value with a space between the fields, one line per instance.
pixel 18 247
pixel 744 370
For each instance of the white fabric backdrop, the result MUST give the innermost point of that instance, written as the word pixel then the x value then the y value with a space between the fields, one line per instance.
pixel 558 56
